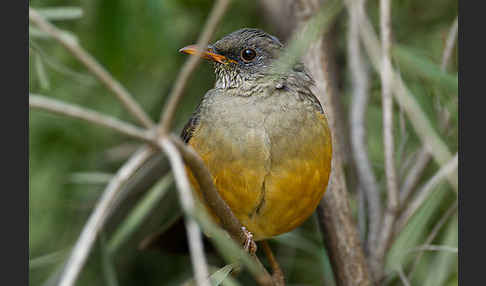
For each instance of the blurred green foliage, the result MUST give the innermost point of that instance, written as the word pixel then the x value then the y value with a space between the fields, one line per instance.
pixel 137 41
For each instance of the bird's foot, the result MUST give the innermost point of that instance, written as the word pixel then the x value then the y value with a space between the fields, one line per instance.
pixel 249 245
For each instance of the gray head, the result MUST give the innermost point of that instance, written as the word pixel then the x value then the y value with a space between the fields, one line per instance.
pixel 241 57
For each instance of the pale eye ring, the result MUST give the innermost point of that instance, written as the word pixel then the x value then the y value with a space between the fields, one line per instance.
pixel 248 54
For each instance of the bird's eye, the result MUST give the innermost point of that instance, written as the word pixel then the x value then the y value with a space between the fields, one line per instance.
pixel 248 54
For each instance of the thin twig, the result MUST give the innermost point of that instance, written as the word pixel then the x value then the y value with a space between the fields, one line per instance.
pixel 422 160
pixel 436 248
pixel 74 111
pixel 445 217
pixel 277 275
pixel 359 104
pixel 388 140
pixel 199 264
pixel 451 40
pixel 425 191
pixel 99 216
pixel 167 115
pixel 94 67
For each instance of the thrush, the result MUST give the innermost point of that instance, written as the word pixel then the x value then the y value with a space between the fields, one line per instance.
pixel 262 134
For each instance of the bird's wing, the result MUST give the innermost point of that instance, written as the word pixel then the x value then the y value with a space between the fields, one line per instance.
pixel 193 122
pixel 190 126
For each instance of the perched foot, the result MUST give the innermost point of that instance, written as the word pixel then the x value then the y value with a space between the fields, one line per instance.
pixel 249 245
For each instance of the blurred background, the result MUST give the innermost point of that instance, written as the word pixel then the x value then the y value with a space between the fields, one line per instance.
pixel 137 42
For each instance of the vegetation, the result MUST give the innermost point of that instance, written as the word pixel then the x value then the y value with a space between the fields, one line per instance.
pixel 72 161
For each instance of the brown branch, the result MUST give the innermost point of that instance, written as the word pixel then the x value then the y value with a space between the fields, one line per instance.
pixel 359 103
pixel 278 276
pixel 167 115
pixel 58 107
pixel 94 67
pixel 99 216
pixel 199 264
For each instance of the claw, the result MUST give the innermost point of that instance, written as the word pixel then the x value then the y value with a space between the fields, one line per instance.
pixel 249 245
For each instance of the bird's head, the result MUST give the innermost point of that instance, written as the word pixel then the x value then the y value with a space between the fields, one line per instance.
pixel 240 57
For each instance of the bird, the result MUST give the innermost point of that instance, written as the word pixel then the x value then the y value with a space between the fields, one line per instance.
pixel 262 133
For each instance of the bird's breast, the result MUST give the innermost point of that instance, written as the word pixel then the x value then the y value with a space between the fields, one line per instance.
pixel 269 157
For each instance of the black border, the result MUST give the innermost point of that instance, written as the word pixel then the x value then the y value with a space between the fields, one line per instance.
pixel 14 209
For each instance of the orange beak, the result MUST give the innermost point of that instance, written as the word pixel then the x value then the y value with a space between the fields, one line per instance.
pixel 206 54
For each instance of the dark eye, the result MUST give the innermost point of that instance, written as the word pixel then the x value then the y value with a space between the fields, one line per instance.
pixel 248 54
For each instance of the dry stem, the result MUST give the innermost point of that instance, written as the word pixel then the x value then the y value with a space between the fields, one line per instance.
pixel 390 169
pixel 74 111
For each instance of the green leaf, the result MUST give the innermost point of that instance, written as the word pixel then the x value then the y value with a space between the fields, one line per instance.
pixel 411 60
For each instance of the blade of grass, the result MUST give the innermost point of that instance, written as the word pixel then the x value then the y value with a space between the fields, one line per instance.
pixel 410 60
pixel 90 178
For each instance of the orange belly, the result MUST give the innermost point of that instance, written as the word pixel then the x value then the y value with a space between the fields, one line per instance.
pixel 270 198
